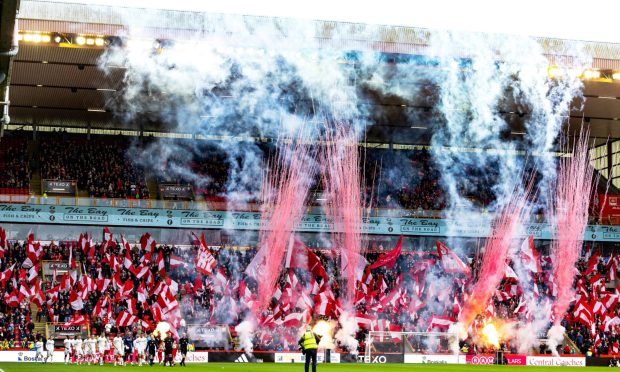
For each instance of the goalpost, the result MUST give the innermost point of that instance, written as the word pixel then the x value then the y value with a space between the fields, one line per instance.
pixel 407 343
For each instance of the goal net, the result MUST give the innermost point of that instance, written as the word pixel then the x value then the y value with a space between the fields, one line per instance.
pixel 410 347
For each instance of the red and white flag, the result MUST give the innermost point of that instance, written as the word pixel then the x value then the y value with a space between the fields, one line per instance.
pixel 440 322
pixel 167 301
pixel 450 262
pixel 204 261
pixel 127 261
pixel 6 274
pixel 142 294
pixel 76 301
pixel 72 263
pixel 295 320
pixel 529 256
pixel 148 243
pixel 298 255
pixel 389 259
pixel 161 266
pixel 124 319
pixel 176 261
pixel 75 320
pixel 592 263
pixel 3 243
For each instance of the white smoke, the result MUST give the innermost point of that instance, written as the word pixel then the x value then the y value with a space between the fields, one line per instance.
pixel 346 333
pixel 555 337
pixel 245 330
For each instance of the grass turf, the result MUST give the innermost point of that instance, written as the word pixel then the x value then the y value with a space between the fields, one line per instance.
pixel 272 367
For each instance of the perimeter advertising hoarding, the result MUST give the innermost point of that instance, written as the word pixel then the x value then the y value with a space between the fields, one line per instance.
pixel 513 360
pixel 294 357
pixel 530 360
pixel 550 361
pixel 28 356
pixel 432 358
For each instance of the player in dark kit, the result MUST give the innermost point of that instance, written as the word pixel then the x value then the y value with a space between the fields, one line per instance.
pixel 128 342
pixel 168 344
pixel 183 342
pixel 151 348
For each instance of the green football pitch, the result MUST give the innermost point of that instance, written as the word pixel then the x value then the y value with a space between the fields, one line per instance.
pixel 272 367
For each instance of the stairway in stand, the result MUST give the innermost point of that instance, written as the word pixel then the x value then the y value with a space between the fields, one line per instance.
pixel 39 327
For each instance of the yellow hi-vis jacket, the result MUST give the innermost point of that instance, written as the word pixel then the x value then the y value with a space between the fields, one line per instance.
pixel 309 341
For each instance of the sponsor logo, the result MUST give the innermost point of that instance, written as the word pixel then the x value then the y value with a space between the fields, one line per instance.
pixel 381 359
pixel 542 361
pixel 425 360
pixel 480 359
pixel 431 359
pixel 242 359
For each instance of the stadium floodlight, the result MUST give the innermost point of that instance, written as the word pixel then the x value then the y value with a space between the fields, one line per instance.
pixel 80 40
pixel 46 38
pixel 57 39
pixel 99 41
pixel 28 37
pixel 90 41
pixel 615 76
pixel 36 38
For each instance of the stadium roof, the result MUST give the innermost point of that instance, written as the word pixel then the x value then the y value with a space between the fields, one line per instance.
pixel 63 86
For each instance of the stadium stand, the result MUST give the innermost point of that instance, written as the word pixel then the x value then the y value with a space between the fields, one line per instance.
pixel 101 167
pixel 113 275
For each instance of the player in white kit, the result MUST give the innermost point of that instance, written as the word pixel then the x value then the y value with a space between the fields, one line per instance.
pixel 39 349
pixel 79 350
pixel 119 350
pixel 68 343
pixel 102 347
pixel 89 349
pixel 49 345
pixel 139 343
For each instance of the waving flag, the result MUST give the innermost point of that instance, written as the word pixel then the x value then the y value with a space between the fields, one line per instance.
pixel 450 262
pixel 298 255
pixel 148 243
pixel 125 319
pixel 75 320
pixel 34 252
pixel 76 301
pixel 205 262
pixel 3 242
pixel 440 322
pixel 389 259
pixel 529 255
pixel 176 261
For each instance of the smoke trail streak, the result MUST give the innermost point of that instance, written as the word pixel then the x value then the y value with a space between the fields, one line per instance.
pixel 570 217
pixel 341 180
pixel 284 199
pixel 506 227
pixel 527 331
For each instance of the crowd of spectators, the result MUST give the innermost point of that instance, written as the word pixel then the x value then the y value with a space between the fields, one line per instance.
pixel 394 298
pixel 14 165
pixel 101 167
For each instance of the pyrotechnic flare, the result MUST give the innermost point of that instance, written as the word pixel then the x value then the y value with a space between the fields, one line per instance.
pixel 570 217
pixel 506 228
pixel 341 179
pixel 284 198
